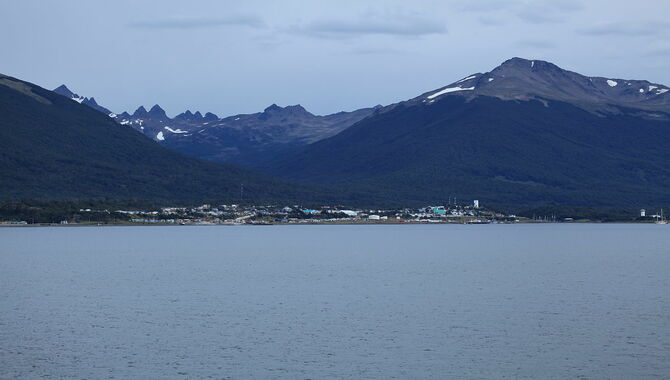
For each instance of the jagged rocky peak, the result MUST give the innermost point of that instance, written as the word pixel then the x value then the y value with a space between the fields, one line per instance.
pixel 63 90
pixel 210 117
pixel 157 112
pixel 272 108
pixel 66 92
pixel 91 102
pixel 189 116
pixel 295 109
pixel 140 112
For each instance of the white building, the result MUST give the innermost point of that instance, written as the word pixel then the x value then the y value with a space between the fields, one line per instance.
pixel 643 212
pixel 475 203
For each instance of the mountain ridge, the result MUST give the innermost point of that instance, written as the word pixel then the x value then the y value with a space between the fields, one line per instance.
pixel 523 79
pixel 54 148
pixel 246 139
pixel 521 142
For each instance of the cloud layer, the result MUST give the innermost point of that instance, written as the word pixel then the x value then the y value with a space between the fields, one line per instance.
pixel 346 28
pixel 200 22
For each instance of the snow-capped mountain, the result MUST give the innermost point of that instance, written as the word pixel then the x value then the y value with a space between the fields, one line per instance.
pixel 525 132
pixel 63 90
pixel 52 148
pixel 243 139
pixel 524 79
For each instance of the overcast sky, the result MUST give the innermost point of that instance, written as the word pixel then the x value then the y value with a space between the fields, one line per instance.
pixel 232 57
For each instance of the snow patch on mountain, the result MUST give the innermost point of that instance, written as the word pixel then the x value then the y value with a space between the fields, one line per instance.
pixel 160 136
pixel 448 90
pixel 175 130
pixel 612 83
pixel 468 78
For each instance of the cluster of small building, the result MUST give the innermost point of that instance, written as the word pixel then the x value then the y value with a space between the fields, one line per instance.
pixel 294 214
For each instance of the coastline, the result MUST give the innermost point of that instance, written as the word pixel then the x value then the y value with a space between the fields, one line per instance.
pixel 349 223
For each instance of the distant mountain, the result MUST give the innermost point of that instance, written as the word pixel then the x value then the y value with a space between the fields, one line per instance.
pixel 246 139
pixel 63 90
pixel 528 132
pixel 242 139
pixel 55 148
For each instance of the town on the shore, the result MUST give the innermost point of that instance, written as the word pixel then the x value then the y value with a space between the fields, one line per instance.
pixel 241 214
pixel 234 214
pixel 237 214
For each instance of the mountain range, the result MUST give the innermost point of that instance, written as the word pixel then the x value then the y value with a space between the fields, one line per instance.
pixel 64 91
pixel 526 133
pixel 245 139
pixel 55 148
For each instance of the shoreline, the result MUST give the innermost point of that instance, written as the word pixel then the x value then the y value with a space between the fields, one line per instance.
pixel 79 225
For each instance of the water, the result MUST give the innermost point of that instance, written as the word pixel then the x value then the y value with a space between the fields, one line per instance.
pixel 359 302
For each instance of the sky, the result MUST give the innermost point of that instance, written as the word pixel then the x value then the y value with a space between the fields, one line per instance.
pixel 231 57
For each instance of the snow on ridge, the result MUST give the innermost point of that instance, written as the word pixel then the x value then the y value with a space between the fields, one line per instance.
pixel 175 130
pixel 448 90
pixel 651 88
pixel 490 79
pixel 661 91
pixel 612 83
pixel 112 115
pixel 468 78
pixel 160 136
pixel 532 63
pixel 78 99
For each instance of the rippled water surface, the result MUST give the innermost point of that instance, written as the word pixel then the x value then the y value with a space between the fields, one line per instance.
pixel 359 302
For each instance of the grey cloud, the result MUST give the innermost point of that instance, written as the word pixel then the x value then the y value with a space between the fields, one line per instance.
pixel 410 26
pixel 200 22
